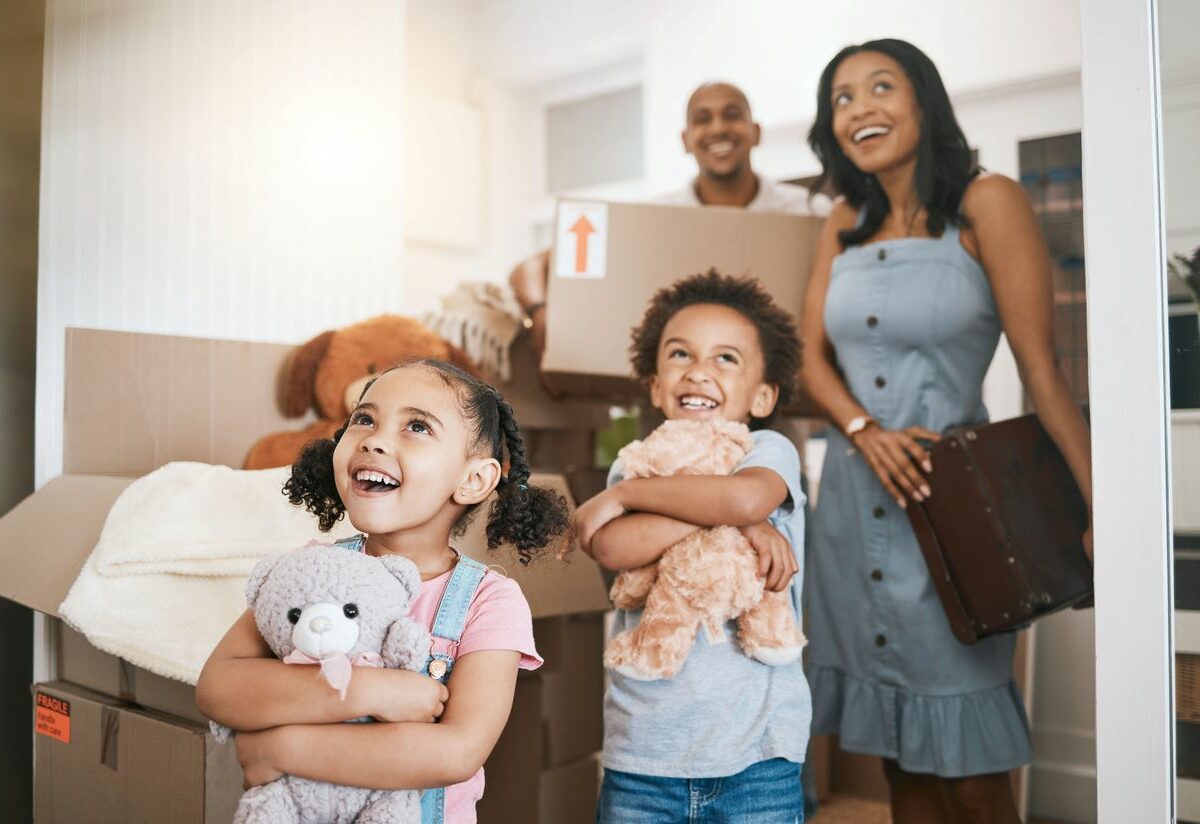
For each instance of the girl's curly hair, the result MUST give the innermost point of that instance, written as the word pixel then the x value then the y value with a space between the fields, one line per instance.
pixel 776 328
pixel 527 517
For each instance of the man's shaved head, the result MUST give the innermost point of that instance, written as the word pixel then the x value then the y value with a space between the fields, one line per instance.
pixel 714 86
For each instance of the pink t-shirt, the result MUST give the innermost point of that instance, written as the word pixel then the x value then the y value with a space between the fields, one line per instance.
pixel 498 618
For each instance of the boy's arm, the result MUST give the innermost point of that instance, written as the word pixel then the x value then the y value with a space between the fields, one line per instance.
pixel 397 756
pixel 244 687
pixel 636 539
pixel 744 498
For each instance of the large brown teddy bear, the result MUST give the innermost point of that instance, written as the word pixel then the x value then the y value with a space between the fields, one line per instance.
pixel 706 579
pixel 329 372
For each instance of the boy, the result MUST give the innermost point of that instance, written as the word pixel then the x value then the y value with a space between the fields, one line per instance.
pixel 725 738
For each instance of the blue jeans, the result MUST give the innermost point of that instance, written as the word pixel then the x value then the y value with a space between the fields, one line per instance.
pixel 768 792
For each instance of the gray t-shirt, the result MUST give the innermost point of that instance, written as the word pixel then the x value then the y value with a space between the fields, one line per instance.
pixel 723 711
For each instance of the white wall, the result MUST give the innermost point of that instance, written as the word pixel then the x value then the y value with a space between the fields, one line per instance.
pixel 1179 22
pixel 444 47
pixel 224 169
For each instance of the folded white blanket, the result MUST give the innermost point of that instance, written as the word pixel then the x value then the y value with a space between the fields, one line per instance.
pixel 165 580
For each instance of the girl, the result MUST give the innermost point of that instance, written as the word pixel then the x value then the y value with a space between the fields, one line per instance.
pixel 421 451
pixel 921 266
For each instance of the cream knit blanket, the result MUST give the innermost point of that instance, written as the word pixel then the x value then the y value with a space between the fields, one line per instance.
pixel 165 580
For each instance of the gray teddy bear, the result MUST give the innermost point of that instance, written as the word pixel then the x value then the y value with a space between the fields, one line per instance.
pixel 336 608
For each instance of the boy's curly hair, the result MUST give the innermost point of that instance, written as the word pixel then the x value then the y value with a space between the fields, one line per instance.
pixel 776 327
pixel 528 517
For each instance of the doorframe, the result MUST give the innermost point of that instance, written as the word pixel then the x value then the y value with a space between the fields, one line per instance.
pixel 1130 412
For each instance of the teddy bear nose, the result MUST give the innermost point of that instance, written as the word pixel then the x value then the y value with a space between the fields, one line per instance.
pixel 320 624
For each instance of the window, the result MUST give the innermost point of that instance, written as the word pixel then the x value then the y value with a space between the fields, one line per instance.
pixel 594 140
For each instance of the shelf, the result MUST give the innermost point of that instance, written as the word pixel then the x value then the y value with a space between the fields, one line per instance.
pixel 1187 632
pixel 1187 799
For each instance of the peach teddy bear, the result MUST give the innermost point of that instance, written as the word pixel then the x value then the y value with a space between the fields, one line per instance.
pixel 706 579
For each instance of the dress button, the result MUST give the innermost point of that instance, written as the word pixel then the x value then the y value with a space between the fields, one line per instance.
pixel 881 381
pixel 872 321
pixel 878 512
pixel 882 254
pixel 880 641
pixel 876 575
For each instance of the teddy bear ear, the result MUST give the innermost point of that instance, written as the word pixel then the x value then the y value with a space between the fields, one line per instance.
pixel 302 375
pixel 405 572
pixel 258 577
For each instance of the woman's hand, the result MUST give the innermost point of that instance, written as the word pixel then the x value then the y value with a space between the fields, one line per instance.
pixel 402 695
pixel 897 459
pixel 255 752
pixel 593 514
pixel 776 558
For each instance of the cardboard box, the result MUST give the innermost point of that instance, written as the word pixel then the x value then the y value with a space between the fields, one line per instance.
pixel 561 451
pixel 569 792
pixel 98 760
pixel 573 691
pixel 512 774
pixel 137 382
pixel 629 251
pixel 535 408
pixel 820 763
pixel 82 664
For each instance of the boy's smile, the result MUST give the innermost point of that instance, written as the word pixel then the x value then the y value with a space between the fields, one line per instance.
pixel 710 366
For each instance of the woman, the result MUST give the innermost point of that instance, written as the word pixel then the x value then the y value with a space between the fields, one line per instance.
pixel 921 265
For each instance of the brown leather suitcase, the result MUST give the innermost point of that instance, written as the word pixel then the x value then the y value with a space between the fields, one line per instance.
pixel 1002 532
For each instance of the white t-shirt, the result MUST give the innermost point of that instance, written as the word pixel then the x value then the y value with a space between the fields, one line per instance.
pixel 771 197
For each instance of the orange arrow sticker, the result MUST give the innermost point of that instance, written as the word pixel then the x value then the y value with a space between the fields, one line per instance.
pixel 581 245
pixel 581 230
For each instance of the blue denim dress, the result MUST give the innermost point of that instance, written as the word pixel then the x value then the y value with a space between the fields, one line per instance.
pixel 914 325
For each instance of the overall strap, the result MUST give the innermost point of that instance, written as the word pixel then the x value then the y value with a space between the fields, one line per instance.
pixel 433 806
pixel 456 600
pixel 355 543
pixel 448 624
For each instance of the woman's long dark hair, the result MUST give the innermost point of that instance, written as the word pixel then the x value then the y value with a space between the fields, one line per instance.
pixel 944 166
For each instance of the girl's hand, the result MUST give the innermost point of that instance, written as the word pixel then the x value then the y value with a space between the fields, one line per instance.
pixel 776 559
pixel 594 514
pixel 896 459
pixel 255 754
pixel 402 695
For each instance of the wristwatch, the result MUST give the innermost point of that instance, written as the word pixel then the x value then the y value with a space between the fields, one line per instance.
pixel 527 321
pixel 858 424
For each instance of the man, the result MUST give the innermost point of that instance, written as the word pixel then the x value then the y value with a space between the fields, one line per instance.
pixel 720 134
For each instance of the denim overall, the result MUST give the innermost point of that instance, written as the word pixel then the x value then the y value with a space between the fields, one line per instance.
pixel 448 625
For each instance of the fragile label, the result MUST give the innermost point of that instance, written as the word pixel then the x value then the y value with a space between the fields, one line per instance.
pixel 581 248
pixel 53 717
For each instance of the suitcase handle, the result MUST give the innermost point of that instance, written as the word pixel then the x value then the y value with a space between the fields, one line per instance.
pixel 935 559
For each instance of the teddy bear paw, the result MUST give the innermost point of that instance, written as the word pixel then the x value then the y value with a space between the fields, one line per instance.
pixel 634 674
pixel 777 656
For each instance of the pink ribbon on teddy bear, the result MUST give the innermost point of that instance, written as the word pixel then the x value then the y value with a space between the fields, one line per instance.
pixel 336 667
